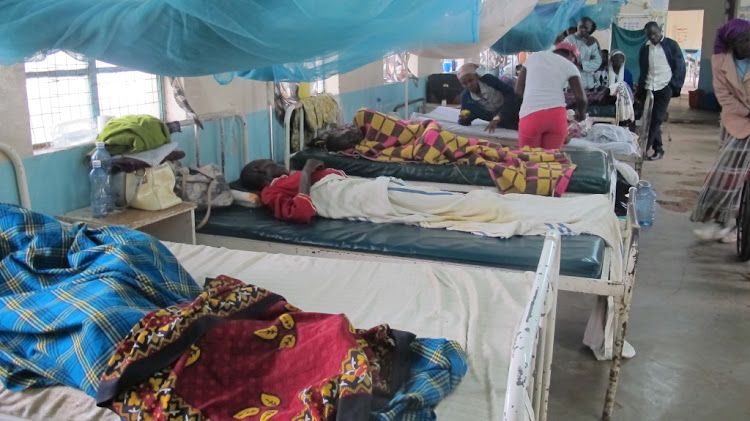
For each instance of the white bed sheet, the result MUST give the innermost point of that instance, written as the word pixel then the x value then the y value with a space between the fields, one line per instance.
pixel 448 118
pixel 616 148
pixel 480 309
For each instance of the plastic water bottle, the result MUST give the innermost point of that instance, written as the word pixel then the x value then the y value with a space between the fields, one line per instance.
pixel 379 105
pixel 101 155
pixel 645 204
pixel 100 196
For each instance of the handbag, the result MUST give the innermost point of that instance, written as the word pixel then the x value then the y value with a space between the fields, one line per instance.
pixel 205 186
pixel 151 189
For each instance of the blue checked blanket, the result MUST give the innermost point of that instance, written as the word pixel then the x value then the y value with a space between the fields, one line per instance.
pixel 69 294
pixel 437 367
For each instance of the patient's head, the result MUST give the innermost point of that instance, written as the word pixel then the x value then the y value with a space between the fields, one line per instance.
pixel 260 173
pixel 343 138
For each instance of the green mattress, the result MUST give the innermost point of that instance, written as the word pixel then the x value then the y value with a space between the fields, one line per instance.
pixel 592 176
pixel 581 255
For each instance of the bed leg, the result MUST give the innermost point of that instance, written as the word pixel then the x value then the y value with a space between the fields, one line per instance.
pixel 622 311
pixel 614 371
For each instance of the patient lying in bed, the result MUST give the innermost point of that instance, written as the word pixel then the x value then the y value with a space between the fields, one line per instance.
pixel 329 193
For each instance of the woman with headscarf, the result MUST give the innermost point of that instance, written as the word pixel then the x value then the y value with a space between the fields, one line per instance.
pixel 588 47
pixel 544 121
pixel 617 72
pixel 722 188
pixel 620 86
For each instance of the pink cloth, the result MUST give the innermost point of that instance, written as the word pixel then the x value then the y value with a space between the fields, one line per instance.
pixel 543 129
pixel 733 94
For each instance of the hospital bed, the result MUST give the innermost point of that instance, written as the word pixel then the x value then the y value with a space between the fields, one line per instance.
pixel 626 152
pixel 594 173
pixel 508 338
pixel 585 265
pixel 522 327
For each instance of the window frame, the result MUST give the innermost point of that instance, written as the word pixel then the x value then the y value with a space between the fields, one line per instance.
pixel 91 72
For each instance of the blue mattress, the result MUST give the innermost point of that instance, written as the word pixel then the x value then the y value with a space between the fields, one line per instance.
pixel 592 176
pixel 580 255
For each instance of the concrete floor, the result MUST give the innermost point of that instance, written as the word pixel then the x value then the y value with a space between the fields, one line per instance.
pixel 690 318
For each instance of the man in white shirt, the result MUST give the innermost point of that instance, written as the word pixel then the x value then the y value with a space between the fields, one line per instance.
pixel 663 73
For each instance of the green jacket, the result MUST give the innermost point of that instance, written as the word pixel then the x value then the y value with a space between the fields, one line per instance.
pixel 134 133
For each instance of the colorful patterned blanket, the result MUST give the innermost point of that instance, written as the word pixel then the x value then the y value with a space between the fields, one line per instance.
pixel 529 170
pixel 240 352
pixel 69 294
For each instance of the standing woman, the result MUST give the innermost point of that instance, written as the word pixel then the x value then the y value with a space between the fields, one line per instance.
pixel 721 190
pixel 588 47
pixel 544 121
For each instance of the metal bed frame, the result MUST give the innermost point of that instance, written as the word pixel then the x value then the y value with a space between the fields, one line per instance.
pixel 530 368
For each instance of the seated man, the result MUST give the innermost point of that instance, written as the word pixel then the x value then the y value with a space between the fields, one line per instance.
pixel 487 98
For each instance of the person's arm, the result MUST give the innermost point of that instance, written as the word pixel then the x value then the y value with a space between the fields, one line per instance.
pixel 678 69
pixel 593 62
pixel 729 103
pixel 510 100
pixel 521 82
pixel 466 105
pixel 640 89
pixel 581 101
pixel 310 167
pixel 284 203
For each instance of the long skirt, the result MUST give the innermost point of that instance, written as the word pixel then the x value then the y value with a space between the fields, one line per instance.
pixel 721 192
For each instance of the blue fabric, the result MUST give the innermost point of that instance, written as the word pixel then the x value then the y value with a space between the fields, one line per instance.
pixel 508 111
pixel 69 294
pixel 630 43
pixel 741 66
pixel 294 40
pixel 537 32
pixel 437 368
pixel 628 78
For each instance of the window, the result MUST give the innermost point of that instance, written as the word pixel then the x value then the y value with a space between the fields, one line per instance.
pixel 74 90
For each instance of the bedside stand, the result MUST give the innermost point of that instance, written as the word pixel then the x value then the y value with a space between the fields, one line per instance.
pixel 176 224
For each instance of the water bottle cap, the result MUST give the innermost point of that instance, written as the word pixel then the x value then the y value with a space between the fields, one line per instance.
pixel 99 144
pixel 644 183
pixel 96 163
pixel 378 99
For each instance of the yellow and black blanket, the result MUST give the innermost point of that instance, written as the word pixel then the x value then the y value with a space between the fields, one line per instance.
pixel 528 170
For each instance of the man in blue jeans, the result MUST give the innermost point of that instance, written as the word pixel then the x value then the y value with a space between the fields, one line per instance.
pixel 663 73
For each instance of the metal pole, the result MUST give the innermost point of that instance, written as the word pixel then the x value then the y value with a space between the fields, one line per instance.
pixel 21 180
pixel 269 99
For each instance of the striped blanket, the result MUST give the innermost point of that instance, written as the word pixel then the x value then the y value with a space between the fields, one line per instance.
pixel 69 294
pixel 531 171
pixel 110 311
pixel 721 193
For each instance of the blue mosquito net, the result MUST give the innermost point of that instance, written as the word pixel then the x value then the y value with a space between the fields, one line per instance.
pixel 283 40
pixel 537 32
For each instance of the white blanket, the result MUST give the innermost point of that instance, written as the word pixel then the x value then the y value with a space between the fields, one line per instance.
pixel 481 212
pixel 448 119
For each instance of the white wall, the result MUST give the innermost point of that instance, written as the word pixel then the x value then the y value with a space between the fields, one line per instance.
pixel 240 96
pixel 715 14
pixel 14 114
pixel 686 27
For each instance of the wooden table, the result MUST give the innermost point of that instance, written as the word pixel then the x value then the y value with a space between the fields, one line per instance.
pixel 176 224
